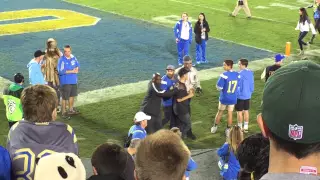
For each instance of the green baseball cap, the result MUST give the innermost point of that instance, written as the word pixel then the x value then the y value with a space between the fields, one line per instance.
pixel 291 102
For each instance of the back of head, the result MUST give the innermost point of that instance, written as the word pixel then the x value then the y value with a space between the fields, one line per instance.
pixel 162 155
pixel 229 63
pixel 110 159
pixel 18 78
pixel 60 166
pixel 248 154
pixel 176 131
pixel 290 109
pixel 235 138
pixel 5 164
pixel 39 103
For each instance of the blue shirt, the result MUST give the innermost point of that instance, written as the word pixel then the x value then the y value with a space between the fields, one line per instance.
pixel 192 165
pixel 167 84
pixel 177 30
pixel 137 132
pixel 35 73
pixel 233 164
pixel 5 164
pixel 65 65
pixel 228 83
pixel 246 84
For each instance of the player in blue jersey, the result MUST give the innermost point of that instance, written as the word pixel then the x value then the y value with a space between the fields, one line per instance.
pixel 228 87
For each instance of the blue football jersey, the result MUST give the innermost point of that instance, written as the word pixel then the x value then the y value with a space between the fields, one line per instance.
pixel 228 86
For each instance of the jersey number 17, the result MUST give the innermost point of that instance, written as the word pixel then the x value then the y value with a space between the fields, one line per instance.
pixel 232 86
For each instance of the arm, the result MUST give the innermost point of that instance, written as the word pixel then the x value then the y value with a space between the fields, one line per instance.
pixel 208 28
pixel 223 151
pixel 220 83
pixel 263 75
pixel 190 95
pixel 192 165
pixel 61 69
pixel 312 28
pixel 176 30
pixel 252 83
pixel 190 33
pixel 297 28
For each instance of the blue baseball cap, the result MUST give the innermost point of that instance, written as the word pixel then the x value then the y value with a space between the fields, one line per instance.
pixel 278 57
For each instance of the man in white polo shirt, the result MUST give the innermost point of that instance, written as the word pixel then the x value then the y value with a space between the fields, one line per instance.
pixel 183 33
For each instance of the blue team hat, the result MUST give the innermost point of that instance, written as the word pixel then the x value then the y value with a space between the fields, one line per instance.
pixel 278 57
pixel 5 164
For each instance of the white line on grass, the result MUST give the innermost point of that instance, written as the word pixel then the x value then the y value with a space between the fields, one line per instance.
pixel 227 11
pixel 164 25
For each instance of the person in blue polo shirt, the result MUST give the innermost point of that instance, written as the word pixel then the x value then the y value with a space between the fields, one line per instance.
pixel 167 84
pixel 137 131
pixel 68 68
pixel 183 34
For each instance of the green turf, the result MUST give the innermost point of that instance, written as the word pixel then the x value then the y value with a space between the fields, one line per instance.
pixel 255 32
pixel 110 120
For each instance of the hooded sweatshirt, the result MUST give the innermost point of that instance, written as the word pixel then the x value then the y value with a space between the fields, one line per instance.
pixel 246 84
pixel 35 73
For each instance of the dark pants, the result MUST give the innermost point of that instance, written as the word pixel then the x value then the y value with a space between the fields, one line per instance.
pixel 300 40
pixel 56 88
pixel 317 26
pixel 185 124
pixel 154 124
pixel 169 116
pixel 11 124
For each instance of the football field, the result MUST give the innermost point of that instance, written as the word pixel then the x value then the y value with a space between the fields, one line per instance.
pixel 120 44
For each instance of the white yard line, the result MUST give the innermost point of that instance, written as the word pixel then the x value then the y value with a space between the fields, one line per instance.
pixel 227 11
pixel 156 23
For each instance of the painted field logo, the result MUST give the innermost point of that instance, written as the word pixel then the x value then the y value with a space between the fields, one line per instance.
pixel 295 131
pixel 51 19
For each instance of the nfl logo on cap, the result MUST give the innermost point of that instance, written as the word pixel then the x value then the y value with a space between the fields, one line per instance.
pixel 295 131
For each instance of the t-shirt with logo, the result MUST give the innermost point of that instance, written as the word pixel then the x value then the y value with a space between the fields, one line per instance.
pixel 65 65
pixel 228 84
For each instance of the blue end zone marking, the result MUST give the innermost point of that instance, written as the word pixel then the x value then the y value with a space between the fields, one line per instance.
pixel 27 20
pixel 116 51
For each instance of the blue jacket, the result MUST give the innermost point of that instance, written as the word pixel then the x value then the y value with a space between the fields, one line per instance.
pixel 192 165
pixel 234 165
pixel 167 84
pixel 246 84
pixel 5 164
pixel 177 30
pixel 35 73
pixel 65 65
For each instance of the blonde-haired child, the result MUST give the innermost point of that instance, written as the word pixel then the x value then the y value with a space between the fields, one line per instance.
pixel 228 163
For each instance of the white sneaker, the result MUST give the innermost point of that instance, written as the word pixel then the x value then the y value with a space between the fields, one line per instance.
pixel 214 129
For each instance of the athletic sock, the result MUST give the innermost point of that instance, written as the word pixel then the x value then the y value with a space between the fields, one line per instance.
pixel 240 124
pixel 246 125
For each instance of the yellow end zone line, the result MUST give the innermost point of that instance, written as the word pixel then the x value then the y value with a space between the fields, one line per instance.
pixel 66 19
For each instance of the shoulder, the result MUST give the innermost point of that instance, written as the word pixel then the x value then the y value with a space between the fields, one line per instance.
pixel 224 75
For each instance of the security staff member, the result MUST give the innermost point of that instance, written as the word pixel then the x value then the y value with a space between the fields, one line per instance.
pixel 11 98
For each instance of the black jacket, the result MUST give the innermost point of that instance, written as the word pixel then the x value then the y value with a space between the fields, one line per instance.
pixel 271 69
pixel 180 91
pixel 151 104
pixel 197 31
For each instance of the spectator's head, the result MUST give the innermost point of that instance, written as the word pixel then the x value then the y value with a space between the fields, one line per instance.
pixel 67 51
pixel 38 55
pixel 141 119
pixel 183 74
pixel 187 62
pixel 5 165
pixel 39 103
pixel 134 144
pixel 170 71
pixel 248 154
pixel 156 78
pixel 243 63
pixel 235 137
pixel 162 155
pixel 60 166
pixel 303 13
pixel 184 16
pixel 227 65
pixel 289 117
pixel 176 131
pixel 202 17
pixel 111 159
pixel 18 78
pixel 278 58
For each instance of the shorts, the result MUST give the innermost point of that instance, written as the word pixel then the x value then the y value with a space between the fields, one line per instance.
pixel 243 105
pixel 223 107
pixel 69 90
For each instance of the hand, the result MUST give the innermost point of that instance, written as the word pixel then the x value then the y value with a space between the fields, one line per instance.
pixel 199 90
pixel 191 94
pixel 204 30
pixel 179 100
pixel 296 29
pixel 177 40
